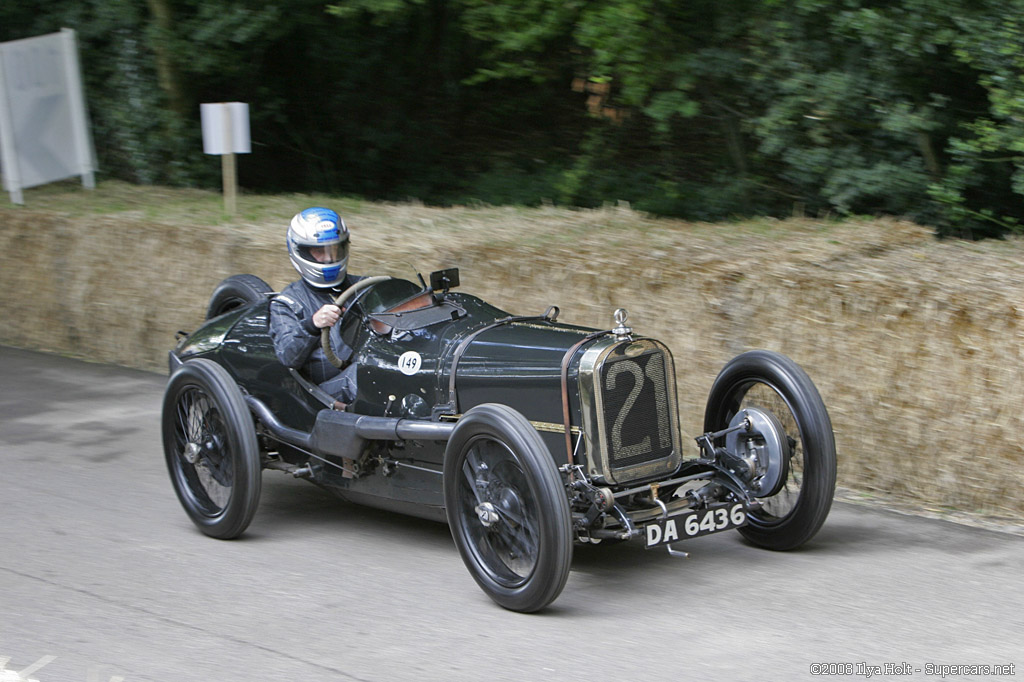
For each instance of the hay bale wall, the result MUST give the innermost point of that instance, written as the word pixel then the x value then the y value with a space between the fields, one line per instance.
pixel 916 346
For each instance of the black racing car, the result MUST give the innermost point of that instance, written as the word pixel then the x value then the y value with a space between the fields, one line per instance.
pixel 525 434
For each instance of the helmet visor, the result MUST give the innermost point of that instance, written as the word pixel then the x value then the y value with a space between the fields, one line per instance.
pixel 329 254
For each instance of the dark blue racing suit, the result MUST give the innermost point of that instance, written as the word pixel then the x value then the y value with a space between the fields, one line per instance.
pixel 297 339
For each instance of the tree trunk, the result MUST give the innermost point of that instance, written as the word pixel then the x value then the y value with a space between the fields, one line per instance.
pixel 167 72
pixel 931 159
pixel 734 145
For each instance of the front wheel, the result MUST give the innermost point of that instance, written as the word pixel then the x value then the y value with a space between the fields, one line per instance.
pixel 507 508
pixel 796 506
pixel 211 450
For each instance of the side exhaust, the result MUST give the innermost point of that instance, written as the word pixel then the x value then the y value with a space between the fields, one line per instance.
pixel 344 434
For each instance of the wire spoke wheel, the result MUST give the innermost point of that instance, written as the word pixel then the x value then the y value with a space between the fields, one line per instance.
pixel 496 512
pixel 766 397
pixel 773 383
pixel 507 508
pixel 200 440
pixel 210 449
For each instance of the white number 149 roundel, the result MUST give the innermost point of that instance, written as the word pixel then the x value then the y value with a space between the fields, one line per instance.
pixel 409 362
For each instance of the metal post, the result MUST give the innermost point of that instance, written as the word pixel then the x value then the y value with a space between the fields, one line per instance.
pixel 79 117
pixel 9 160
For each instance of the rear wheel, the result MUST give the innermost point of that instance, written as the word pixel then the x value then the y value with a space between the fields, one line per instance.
pixel 795 507
pixel 211 449
pixel 236 291
pixel 507 508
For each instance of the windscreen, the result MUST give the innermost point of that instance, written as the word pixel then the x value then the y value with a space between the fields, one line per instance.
pixel 388 294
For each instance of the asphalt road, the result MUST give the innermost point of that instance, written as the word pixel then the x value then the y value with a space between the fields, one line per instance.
pixel 101 569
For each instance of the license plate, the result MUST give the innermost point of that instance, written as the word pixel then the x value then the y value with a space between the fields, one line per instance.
pixel 695 524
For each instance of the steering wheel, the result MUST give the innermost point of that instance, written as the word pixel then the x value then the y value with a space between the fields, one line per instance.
pixel 325 333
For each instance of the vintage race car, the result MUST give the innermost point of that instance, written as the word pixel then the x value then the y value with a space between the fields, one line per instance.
pixel 524 434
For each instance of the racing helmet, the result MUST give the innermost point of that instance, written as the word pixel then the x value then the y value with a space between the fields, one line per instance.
pixel 318 246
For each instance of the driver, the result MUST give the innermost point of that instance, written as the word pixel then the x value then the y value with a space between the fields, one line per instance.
pixel 318 248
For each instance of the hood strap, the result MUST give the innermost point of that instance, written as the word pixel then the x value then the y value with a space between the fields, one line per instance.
pixel 453 398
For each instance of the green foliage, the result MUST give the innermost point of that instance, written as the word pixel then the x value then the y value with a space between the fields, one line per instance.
pixel 700 109
pixel 985 180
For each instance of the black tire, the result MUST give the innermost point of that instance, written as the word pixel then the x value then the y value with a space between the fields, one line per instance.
pixel 775 383
pixel 211 450
pixel 521 554
pixel 236 291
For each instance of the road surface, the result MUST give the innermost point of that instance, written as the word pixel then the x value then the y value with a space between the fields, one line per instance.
pixel 103 577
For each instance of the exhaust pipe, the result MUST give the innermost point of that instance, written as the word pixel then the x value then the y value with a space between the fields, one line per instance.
pixel 344 434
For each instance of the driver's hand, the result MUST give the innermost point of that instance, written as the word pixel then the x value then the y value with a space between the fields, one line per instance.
pixel 326 316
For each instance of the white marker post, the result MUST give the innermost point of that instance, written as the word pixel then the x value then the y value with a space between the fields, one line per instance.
pixel 226 133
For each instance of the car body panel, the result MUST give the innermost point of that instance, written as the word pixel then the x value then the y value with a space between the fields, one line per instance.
pixel 498 358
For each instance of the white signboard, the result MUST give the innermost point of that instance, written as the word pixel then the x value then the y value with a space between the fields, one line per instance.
pixel 226 133
pixel 225 128
pixel 44 132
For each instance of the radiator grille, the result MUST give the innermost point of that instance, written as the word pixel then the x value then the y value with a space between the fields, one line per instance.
pixel 637 408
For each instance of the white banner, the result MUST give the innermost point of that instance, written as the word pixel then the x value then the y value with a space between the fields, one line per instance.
pixel 44 132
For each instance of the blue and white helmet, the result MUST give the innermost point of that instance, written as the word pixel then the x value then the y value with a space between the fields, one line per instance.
pixel 318 246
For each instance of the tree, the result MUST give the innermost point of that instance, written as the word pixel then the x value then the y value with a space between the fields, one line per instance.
pixel 700 109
